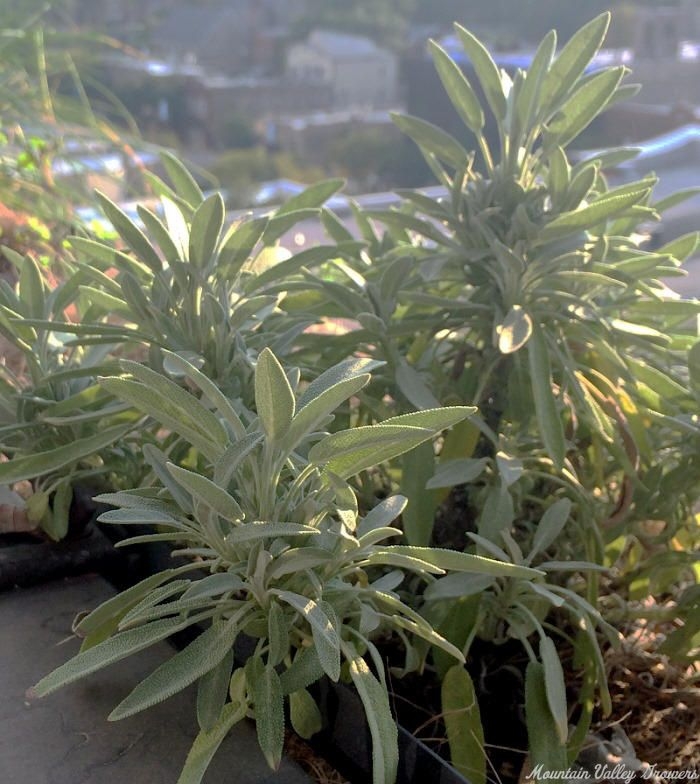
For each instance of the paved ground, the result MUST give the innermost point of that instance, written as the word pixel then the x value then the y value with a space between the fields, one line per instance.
pixel 66 739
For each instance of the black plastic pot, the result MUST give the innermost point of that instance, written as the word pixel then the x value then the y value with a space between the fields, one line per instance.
pixel 346 742
pixel 25 562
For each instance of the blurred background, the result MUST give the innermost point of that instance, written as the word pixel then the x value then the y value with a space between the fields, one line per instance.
pixel 261 96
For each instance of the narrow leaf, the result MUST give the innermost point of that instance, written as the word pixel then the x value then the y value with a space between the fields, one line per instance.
pixel 185 185
pixel 274 398
pixel 385 751
pixel 545 748
pixel 108 652
pixel 207 492
pixel 465 732
pixel 515 330
pixel 487 71
pixel 269 715
pixel 212 692
pixel 304 714
pixel 130 233
pixel 460 92
pixel 548 419
pixel 555 687
pixel 207 743
pixel 42 463
pixel 323 629
pixel 205 230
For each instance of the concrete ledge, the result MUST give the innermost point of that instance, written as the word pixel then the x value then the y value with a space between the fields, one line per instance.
pixel 66 739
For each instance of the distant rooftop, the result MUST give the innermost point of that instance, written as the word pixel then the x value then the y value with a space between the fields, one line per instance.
pixel 341 45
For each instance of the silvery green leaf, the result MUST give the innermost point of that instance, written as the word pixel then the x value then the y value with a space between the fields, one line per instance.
pixel 545 747
pixel 324 628
pixel 584 105
pixel 238 243
pixel 60 512
pixel 389 581
pixel 550 525
pixel 177 227
pixel 489 546
pixel 456 472
pixel 384 556
pixel 130 232
pixel 378 535
pixel 369 619
pixel 573 59
pixel 304 714
pixel 212 691
pixel 214 585
pixel 238 687
pixel 181 669
pixel 542 590
pixel 453 560
pixel 437 419
pixel 31 289
pixel 497 513
pixel 313 413
pixel 555 687
pixel 159 233
pixel 108 255
pixel 465 732
pixel 509 468
pixel 185 185
pixel 208 493
pixel 458 585
pixel 139 516
pixel 433 140
pixel 345 501
pixel 458 88
pixel 382 514
pixel 414 388
pixel 348 452
pixel 515 330
pixel 385 750
pixel 417 468
pixel 42 463
pixel 108 652
pixel 207 222
pixel 168 411
pixel 296 560
pixel 257 530
pixel 278 634
pixel 486 70
pixel 269 715
pixel 179 607
pixel 192 409
pixel 548 419
pixel 172 536
pixel 154 597
pixel 274 398
pixel 207 743
pixel 313 196
pixel 602 209
pixel 215 396
pixel 159 463
pixel 226 466
pixel 304 670
pixel 119 604
pixel 571 566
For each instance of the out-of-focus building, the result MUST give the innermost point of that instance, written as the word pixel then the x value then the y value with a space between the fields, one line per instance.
pixel 231 37
pixel 357 71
